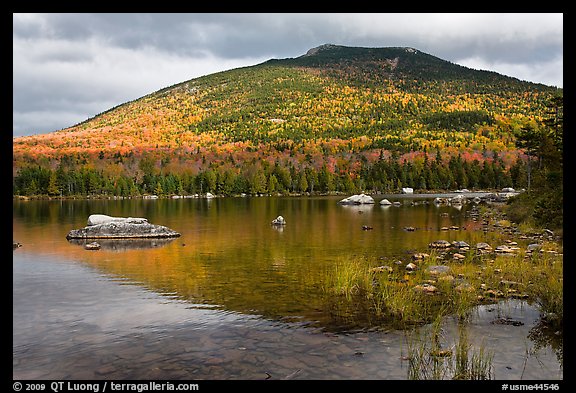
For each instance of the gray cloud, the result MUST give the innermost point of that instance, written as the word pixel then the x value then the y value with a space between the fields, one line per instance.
pixel 78 65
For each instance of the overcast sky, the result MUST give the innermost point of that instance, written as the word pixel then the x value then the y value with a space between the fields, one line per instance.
pixel 69 67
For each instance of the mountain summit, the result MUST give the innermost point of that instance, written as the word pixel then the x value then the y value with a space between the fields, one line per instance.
pixel 391 63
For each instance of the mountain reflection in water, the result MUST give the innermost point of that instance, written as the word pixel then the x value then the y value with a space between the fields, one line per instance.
pixel 262 290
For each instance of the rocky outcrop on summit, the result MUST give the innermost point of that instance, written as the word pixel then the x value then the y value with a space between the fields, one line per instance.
pixel 101 226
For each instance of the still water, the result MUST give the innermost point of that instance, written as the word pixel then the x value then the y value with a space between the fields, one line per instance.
pixel 233 297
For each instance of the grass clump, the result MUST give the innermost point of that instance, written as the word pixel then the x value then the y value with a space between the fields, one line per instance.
pixel 429 359
pixel 351 278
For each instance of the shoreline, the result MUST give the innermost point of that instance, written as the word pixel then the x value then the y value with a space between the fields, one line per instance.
pixel 424 195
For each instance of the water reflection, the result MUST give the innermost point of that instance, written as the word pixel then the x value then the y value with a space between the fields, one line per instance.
pixel 545 335
pixel 123 244
pixel 233 267
pixel 229 255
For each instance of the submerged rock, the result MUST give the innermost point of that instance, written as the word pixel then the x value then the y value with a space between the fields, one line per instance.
pixel 124 244
pixel 507 321
pixel 92 246
pixel 101 226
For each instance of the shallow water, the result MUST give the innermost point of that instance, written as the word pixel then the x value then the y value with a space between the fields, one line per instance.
pixel 233 298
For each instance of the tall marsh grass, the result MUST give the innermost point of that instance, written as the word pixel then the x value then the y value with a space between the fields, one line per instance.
pixel 405 298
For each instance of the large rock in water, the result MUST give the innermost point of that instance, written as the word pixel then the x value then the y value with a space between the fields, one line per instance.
pixel 361 199
pixel 101 226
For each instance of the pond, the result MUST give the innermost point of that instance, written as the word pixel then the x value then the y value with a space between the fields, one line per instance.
pixel 234 297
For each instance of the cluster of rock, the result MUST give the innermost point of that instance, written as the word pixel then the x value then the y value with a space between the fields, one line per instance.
pixel 208 195
pixel 461 199
pixel 101 226
pixel 457 200
pixel 441 274
pixel 363 199
pixel 510 247
pixel 457 250
pixel 386 202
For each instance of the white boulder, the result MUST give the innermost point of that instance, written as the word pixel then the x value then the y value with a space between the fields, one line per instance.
pixel 361 199
pixel 97 219
pixel 279 221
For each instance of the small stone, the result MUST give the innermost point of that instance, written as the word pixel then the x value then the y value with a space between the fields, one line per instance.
pixel 462 245
pixel 533 247
pixel 92 246
pixel 426 288
pixel 438 269
pixel 483 247
pixel 439 244
pixel 504 249
pixel 493 293
pixel 279 221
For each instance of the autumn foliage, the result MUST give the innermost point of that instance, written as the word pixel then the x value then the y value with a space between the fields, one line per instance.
pixel 330 121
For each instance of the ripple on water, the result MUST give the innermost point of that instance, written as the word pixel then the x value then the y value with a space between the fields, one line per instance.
pixel 71 322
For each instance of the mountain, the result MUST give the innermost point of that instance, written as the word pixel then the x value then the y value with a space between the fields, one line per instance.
pixel 335 108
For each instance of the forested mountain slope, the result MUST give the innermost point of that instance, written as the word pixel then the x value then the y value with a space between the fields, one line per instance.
pixel 335 119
